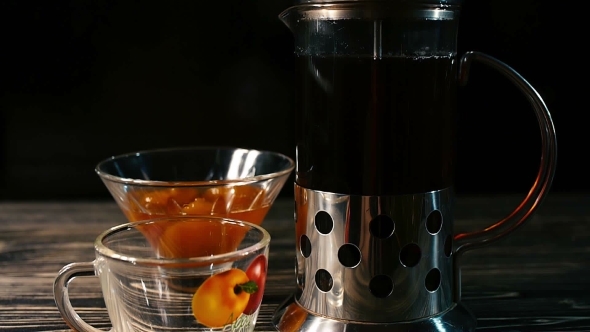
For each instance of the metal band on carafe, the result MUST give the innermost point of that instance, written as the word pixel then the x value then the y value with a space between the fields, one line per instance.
pixel 378 259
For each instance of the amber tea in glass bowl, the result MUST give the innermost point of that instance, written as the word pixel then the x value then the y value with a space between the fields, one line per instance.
pixel 228 182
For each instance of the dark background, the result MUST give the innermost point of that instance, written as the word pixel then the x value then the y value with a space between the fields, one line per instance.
pixel 84 80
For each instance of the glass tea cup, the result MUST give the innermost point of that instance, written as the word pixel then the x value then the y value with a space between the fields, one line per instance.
pixel 228 182
pixel 200 274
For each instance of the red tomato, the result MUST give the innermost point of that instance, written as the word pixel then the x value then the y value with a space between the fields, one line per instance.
pixel 256 272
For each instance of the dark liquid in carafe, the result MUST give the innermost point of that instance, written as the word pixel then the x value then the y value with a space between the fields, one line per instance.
pixel 368 126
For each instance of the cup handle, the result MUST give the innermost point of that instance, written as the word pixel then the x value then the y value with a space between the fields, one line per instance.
pixel 467 241
pixel 62 298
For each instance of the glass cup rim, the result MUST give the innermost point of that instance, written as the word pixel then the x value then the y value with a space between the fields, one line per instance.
pixel 107 252
pixel 196 183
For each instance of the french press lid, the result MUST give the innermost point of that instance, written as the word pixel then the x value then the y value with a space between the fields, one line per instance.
pixel 425 2
pixel 373 9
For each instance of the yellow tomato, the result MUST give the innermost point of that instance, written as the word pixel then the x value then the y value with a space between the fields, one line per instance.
pixel 197 239
pixel 292 319
pixel 199 206
pixel 238 198
pixel 222 298
pixel 182 195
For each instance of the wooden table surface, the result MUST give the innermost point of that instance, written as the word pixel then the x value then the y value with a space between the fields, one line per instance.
pixel 538 279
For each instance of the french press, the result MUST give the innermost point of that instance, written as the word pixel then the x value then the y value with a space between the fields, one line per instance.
pixel 375 130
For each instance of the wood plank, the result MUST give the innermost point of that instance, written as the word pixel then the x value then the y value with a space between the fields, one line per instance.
pixel 535 280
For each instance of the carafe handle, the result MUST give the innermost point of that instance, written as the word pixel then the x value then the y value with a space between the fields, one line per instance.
pixel 467 241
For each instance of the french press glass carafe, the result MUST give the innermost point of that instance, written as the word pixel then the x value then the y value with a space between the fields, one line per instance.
pixel 375 123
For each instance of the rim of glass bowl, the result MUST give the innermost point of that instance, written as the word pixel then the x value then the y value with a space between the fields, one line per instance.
pixel 199 183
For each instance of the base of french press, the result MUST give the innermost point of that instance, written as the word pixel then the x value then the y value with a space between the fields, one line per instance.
pixel 292 317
